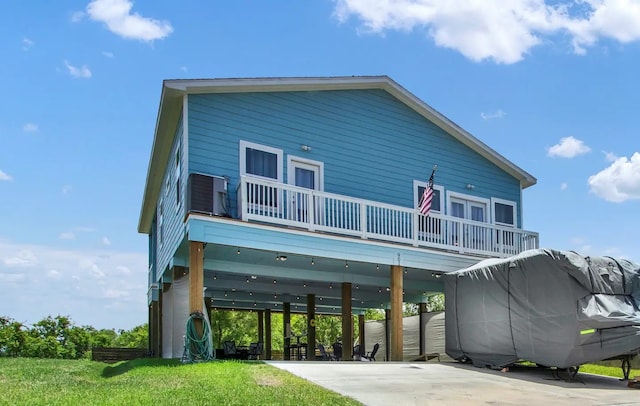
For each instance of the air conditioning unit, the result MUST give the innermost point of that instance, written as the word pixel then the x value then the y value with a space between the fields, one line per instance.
pixel 207 194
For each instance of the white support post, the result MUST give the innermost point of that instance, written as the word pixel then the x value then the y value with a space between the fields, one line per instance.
pixel 243 199
pixel 363 219
pixel 416 227
pixel 312 211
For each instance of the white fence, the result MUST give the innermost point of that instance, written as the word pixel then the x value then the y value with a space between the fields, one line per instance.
pixel 278 203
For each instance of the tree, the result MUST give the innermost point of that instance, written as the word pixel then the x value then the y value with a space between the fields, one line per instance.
pixel 12 337
pixel 137 337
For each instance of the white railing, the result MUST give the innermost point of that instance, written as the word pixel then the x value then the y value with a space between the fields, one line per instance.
pixel 278 203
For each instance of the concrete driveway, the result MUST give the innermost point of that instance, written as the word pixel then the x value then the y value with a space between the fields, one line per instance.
pixel 450 383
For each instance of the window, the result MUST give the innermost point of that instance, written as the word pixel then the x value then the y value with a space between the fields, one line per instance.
pixel 504 212
pixel 260 160
pixel 178 176
pixel 430 228
pixel 438 193
pixel 263 162
pixel 161 222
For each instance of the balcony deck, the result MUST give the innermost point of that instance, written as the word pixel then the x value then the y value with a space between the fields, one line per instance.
pixel 287 205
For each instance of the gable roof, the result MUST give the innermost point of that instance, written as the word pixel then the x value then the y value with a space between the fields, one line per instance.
pixel 171 101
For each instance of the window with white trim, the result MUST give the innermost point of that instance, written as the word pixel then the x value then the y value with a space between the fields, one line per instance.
pixel 263 162
pixel 160 222
pixel 438 194
pixel 504 212
pixel 430 228
pixel 178 196
pixel 260 160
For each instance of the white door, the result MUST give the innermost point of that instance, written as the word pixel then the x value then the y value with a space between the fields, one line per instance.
pixel 469 235
pixel 306 174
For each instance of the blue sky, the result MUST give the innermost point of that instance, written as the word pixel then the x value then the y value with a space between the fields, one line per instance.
pixel 553 86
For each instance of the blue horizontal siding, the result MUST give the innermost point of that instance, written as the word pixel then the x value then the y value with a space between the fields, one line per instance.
pixel 239 234
pixel 173 213
pixel 372 145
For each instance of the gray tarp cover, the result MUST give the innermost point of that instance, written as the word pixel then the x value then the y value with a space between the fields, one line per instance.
pixel 554 308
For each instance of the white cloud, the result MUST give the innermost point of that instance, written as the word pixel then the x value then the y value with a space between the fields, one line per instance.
pixel 30 128
pixel 568 147
pixel 77 16
pixel 497 30
pixel 82 72
pixel 496 114
pixel 609 156
pixel 53 274
pixel 123 269
pixel 564 186
pixel 66 189
pixel 117 16
pixel 106 241
pixel 26 44
pixel 109 55
pixel 69 235
pixel 618 182
pixel 183 68
pixel 20 259
pixel 91 286
pixel 5 176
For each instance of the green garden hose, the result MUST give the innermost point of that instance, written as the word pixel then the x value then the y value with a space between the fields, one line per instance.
pixel 198 348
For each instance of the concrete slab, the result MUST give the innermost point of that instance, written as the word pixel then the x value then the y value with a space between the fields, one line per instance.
pixel 390 383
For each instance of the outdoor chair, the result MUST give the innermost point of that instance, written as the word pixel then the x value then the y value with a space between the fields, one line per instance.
pixel 337 350
pixel 255 350
pixel 230 349
pixel 357 353
pixel 325 355
pixel 371 356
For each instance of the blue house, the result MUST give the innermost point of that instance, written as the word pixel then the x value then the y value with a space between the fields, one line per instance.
pixel 300 195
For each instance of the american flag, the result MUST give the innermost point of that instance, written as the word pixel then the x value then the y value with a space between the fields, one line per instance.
pixel 427 196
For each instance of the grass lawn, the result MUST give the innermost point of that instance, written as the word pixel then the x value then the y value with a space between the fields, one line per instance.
pixel 26 381
pixel 608 371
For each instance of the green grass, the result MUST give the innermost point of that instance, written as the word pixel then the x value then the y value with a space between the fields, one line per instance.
pixel 607 371
pixel 27 381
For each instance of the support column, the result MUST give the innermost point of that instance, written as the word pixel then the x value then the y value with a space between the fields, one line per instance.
pixel 286 321
pixel 422 309
pixel 347 323
pixel 261 326
pixel 362 340
pixel 387 329
pixel 196 280
pixel 159 324
pixel 311 327
pixel 152 337
pixel 267 333
pixel 396 313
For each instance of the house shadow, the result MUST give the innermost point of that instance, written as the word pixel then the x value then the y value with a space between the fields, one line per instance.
pixel 548 376
pixel 122 367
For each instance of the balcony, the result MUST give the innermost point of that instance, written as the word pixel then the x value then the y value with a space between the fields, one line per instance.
pixel 286 205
